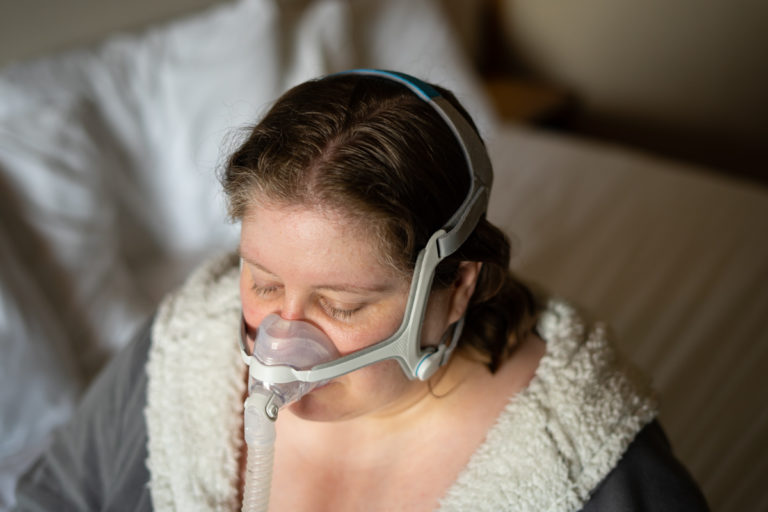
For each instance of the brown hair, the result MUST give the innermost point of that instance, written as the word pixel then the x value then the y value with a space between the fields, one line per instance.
pixel 372 150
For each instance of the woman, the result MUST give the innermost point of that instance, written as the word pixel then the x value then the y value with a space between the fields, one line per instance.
pixel 453 392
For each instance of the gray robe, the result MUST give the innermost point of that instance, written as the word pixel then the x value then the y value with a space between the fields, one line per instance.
pixel 581 436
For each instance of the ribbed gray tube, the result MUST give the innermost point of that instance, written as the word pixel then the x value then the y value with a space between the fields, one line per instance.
pixel 260 438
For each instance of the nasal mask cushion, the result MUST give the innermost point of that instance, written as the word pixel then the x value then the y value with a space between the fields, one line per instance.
pixel 404 345
pixel 297 344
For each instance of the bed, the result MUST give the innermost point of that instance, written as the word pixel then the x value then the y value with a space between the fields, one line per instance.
pixel 108 197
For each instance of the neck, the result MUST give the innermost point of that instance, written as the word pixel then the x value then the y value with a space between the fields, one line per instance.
pixel 426 408
pixel 464 388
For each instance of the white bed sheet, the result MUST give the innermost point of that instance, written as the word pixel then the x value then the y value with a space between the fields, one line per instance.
pixel 675 258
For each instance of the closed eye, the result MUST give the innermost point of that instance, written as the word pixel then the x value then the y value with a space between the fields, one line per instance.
pixel 339 313
pixel 264 291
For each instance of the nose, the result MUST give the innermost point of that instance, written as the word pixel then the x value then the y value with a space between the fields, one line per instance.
pixel 293 307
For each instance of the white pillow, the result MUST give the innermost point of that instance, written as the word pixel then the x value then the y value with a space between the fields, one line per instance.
pixel 108 158
pixel 112 151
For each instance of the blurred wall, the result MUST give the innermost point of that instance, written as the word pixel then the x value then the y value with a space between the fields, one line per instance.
pixel 682 78
pixel 686 77
pixel 33 28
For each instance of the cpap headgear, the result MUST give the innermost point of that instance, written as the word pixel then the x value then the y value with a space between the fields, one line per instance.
pixel 405 344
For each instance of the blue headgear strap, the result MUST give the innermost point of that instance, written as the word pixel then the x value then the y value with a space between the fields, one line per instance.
pixel 475 203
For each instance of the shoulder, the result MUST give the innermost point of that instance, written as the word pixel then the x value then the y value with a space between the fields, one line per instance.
pixel 558 438
pixel 648 477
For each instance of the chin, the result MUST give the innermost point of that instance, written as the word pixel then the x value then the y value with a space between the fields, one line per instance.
pixel 323 404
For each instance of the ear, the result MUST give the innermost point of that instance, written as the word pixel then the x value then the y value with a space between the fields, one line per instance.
pixel 463 288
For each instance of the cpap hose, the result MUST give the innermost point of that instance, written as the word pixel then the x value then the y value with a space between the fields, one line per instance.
pixel 278 342
pixel 260 439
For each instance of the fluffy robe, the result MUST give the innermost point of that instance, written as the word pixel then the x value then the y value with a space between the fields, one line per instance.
pixel 551 446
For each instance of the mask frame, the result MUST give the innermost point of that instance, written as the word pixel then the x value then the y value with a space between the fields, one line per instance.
pixel 405 344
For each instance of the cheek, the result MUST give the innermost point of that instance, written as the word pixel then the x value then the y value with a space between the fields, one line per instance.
pixel 356 393
pixel 352 338
pixel 385 377
pixel 436 319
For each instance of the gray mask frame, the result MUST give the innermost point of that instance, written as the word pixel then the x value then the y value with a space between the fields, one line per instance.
pixel 404 345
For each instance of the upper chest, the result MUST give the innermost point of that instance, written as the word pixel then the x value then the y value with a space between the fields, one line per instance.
pixel 405 477
pixel 390 472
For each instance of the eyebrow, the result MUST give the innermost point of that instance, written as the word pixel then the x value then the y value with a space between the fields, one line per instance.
pixel 331 287
pixel 260 267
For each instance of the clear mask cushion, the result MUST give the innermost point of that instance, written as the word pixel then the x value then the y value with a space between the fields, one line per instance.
pixel 293 343
pixel 405 345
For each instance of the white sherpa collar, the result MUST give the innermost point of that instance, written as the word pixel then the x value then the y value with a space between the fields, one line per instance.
pixel 550 447
pixel 195 389
pixel 558 438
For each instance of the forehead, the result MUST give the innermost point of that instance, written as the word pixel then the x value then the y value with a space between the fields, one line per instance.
pixel 312 241
pixel 306 224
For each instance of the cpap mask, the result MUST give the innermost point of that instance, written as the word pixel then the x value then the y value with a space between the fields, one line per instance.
pixel 296 344
pixel 307 358
pixel 291 358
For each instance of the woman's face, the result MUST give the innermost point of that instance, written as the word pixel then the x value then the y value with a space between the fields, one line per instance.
pixel 319 267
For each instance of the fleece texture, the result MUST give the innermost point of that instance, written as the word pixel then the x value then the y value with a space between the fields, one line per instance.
pixel 196 382
pixel 561 436
pixel 551 446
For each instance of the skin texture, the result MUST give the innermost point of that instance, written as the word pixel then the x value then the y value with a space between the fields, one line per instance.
pixel 322 268
pixel 350 445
